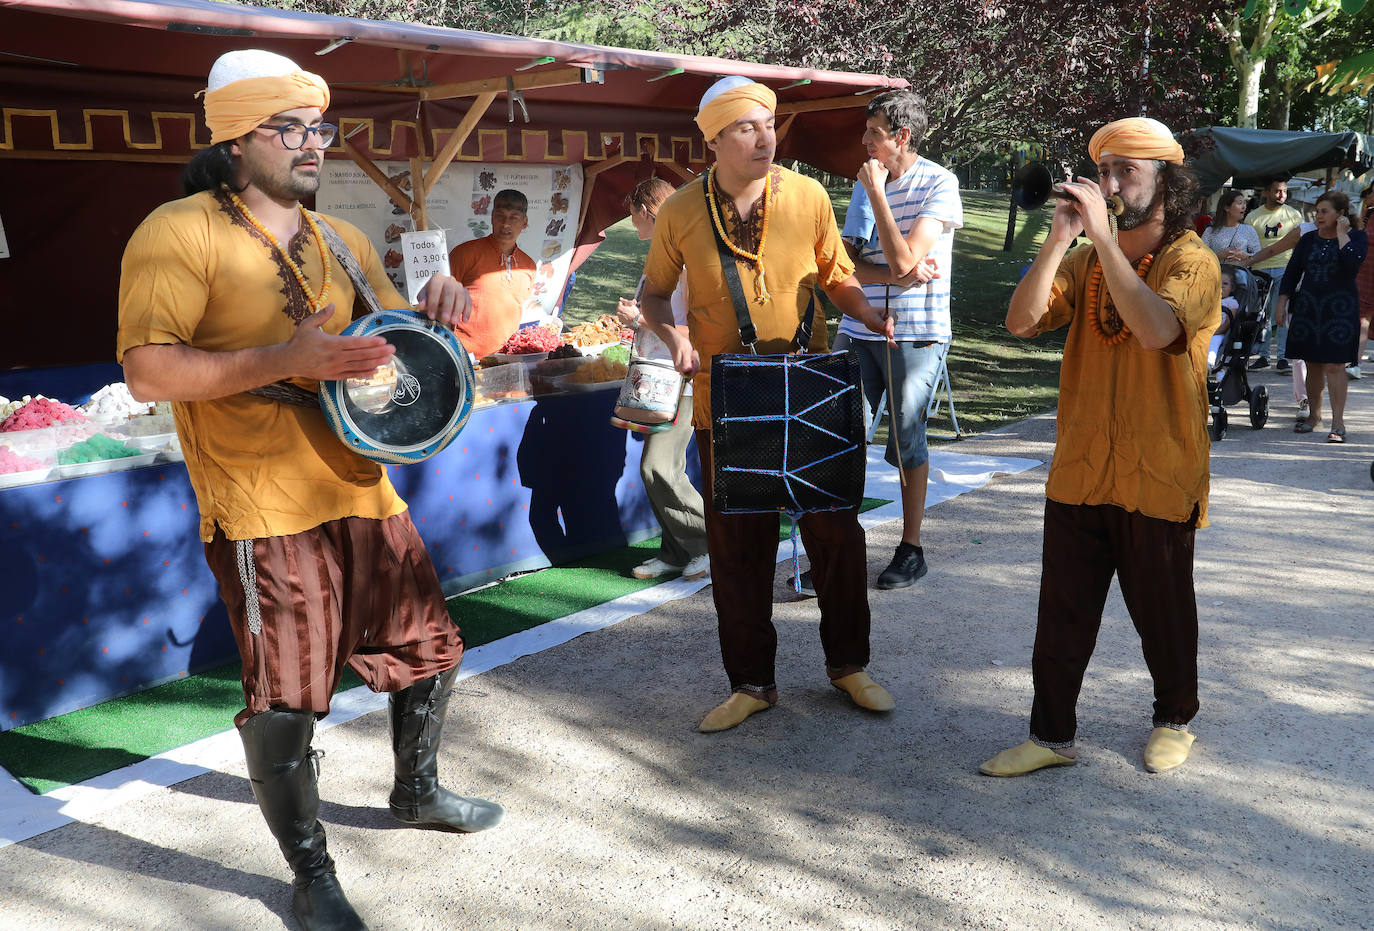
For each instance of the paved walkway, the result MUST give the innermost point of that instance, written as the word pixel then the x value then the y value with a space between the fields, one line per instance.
pixel 818 815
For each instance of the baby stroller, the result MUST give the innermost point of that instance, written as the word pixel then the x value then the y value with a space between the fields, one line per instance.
pixel 1228 380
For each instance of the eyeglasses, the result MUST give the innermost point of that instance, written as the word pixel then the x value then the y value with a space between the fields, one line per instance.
pixel 293 135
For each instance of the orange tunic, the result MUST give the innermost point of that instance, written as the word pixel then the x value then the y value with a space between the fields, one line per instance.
pixel 500 290
pixel 1133 421
pixel 196 273
pixel 803 251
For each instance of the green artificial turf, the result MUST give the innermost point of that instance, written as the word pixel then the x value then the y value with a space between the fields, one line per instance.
pixel 74 747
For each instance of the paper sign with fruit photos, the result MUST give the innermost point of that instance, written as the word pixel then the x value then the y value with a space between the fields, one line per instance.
pixel 425 255
pixel 460 204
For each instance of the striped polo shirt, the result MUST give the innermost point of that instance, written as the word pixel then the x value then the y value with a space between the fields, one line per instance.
pixel 921 312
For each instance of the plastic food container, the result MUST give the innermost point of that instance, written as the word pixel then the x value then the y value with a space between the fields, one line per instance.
pixel 46 461
pixel 102 466
pixel 524 358
pixel 502 383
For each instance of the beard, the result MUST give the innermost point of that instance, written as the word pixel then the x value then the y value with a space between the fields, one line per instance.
pixel 1139 213
pixel 285 183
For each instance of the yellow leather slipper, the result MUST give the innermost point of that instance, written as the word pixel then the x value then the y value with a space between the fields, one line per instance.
pixel 1024 758
pixel 864 691
pixel 731 712
pixel 1167 749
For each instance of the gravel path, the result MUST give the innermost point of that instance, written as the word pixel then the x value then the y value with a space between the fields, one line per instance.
pixel 818 815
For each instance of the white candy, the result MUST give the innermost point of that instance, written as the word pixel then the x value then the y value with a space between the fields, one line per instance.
pixel 114 402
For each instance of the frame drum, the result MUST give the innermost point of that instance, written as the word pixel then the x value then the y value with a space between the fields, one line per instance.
pixel 411 409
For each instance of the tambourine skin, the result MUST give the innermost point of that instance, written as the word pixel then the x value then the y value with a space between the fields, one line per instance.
pixel 430 403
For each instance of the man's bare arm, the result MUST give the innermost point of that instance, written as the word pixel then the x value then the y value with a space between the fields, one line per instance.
pixel 848 296
pixel 176 372
pixel 657 309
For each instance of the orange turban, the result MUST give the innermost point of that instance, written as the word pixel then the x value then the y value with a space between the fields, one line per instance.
pixel 728 100
pixel 249 86
pixel 1137 137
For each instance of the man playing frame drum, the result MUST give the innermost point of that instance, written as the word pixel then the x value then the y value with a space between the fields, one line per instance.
pixel 781 230
pixel 234 288
pixel 1128 485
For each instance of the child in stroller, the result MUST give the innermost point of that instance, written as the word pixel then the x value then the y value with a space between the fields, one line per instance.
pixel 1243 294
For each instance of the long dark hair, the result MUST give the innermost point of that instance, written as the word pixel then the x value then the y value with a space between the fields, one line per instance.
pixel 209 170
pixel 1227 198
pixel 1178 186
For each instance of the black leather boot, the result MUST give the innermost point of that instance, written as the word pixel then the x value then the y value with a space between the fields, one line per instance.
pixel 417 719
pixel 283 771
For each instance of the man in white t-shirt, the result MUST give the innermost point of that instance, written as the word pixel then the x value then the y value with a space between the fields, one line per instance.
pixel 900 233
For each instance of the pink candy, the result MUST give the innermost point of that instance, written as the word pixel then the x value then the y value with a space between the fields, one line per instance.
pixel 532 339
pixel 39 413
pixel 10 461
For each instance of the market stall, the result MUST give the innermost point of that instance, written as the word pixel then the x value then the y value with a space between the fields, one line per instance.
pixel 97 120
pixel 1251 158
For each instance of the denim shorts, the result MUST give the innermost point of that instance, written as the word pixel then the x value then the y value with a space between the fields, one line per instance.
pixel 915 368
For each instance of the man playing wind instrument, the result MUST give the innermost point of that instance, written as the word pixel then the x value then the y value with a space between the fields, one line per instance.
pixel 781 230
pixel 234 288
pixel 1128 485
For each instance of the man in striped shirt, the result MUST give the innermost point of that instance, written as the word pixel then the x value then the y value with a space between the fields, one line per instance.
pixel 900 233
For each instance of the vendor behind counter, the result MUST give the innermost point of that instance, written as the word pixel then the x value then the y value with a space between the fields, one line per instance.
pixel 498 274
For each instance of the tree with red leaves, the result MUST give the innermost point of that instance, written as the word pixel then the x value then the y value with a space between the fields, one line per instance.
pixel 994 72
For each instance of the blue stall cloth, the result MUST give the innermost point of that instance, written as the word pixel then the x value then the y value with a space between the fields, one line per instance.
pixel 108 593
pixel 71 384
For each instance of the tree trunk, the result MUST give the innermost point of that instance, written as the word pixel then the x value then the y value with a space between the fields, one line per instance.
pixel 1247 112
pixel 1282 106
pixel 1249 59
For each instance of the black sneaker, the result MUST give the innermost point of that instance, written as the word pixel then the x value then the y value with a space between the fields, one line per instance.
pixel 1283 367
pixel 807 589
pixel 908 565
pixel 1259 364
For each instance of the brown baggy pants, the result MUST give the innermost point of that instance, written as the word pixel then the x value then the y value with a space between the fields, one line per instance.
pixel 744 551
pixel 1084 546
pixel 353 591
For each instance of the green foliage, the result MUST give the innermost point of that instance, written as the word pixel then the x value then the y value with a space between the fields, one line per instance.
pixel 1288 39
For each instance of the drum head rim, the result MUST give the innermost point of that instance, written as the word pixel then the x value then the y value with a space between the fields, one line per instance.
pixel 378 324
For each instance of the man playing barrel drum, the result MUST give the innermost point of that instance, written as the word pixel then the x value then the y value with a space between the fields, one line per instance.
pixel 234 288
pixel 1128 485
pixel 781 229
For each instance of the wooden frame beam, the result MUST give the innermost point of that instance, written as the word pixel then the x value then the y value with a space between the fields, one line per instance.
pixel 369 167
pixel 825 103
pixel 589 176
pixel 560 77
pixel 417 184
pixel 445 156
pixel 781 133
pixel 683 172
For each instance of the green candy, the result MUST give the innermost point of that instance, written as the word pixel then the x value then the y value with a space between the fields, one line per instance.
pixel 97 448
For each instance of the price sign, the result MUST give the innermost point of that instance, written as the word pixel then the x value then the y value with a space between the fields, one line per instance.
pixel 426 255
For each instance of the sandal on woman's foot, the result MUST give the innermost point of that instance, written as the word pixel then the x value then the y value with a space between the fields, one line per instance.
pixel 1302 426
pixel 1336 436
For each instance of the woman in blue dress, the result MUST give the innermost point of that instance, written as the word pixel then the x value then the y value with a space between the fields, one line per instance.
pixel 1319 303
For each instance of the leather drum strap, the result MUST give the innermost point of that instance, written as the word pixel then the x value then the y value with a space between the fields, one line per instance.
pixel 288 392
pixel 748 335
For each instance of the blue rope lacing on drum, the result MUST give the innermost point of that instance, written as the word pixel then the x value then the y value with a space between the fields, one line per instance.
pixel 791 475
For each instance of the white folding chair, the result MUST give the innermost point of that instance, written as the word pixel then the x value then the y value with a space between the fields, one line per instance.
pixel 941 382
